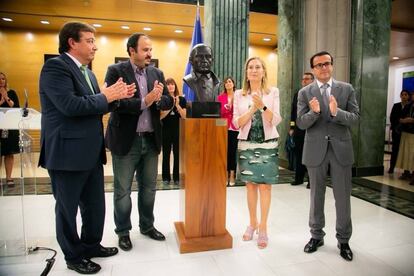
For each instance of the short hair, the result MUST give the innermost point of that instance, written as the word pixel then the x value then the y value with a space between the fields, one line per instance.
pixel 310 74
pixel 133 41
pixel 192 53
pixel 5 77
pixel 246 83
pixel 323 53
pixel 172 81
pixel 232 80
pixel 72 30
pixel 406 91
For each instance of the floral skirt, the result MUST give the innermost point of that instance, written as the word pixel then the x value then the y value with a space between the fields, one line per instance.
pixel 258 162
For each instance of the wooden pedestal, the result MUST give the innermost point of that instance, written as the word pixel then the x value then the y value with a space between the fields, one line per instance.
pixel 203 167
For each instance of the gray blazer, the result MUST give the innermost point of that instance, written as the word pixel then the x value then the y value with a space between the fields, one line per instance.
pixel 320 130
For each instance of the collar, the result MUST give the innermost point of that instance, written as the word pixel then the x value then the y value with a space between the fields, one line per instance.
pixel 78 64
pixel 198 75
pixel 321 83
pixel 136 69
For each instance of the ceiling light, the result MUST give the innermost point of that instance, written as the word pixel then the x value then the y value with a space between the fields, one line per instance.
pixel 395 58
pixel 147 29
pixel 178 31
pixel 125 27
pixel 267 39
pixel 7 19
pixel 96 25
pixel 45 22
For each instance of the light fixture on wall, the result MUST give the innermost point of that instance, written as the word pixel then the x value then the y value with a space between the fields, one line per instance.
pixel 44 22
pixel 395 58
pixel 178 31
pixel 7 19
pixel 147 29
pixel 125 27
pixel 267 39
pixel 97 25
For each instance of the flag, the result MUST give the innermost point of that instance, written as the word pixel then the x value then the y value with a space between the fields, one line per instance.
pixel 197 38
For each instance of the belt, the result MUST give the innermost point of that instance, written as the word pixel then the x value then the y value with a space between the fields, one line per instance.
pixel 145 134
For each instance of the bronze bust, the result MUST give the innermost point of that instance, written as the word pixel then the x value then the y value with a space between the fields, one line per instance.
pixel 202 80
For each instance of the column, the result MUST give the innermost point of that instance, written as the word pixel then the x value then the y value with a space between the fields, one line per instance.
pixel 226 31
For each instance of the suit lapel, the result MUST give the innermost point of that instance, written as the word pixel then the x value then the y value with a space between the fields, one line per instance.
pixel 128 71
pixel 77 73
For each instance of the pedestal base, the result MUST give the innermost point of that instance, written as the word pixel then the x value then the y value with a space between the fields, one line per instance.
pixel 190 245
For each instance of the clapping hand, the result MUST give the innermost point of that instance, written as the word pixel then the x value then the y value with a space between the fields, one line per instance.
pixel 314 105
pixel 117 91
pixel 155 94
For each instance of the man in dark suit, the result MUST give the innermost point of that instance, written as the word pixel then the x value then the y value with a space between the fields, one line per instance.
pixel 326 110
pixel 299 134
pixel 72 144
pixel 134 138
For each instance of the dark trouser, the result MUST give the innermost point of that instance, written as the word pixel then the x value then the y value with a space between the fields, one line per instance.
pixel 232 142
pixel 141 161
pixel 341 177
pixel 83 189
pixel 170 140
pixel 300 169
pixel 396 137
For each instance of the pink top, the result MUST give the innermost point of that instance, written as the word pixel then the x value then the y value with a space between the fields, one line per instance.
pixel 241 106
pixel 227 111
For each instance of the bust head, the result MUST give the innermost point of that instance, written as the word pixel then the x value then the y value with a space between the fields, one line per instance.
pixel 201 58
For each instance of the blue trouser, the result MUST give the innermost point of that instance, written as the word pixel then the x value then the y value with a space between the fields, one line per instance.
pixel 141 160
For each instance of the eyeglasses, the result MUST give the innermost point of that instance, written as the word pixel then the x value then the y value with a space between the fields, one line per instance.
pixel 321 65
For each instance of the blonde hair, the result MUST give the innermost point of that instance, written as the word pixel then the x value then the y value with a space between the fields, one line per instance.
pixel 246 83
pixel 5 83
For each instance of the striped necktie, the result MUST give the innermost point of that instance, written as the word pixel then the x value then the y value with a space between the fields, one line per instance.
pixel 86 75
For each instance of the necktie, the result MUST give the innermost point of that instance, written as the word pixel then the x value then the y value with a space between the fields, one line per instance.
pixel 88 80
pixel 325 97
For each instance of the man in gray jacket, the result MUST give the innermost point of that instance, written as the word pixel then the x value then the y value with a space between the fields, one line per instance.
pixel 326 110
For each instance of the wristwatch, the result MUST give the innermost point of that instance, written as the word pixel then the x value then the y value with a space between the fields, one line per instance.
pixel 263 109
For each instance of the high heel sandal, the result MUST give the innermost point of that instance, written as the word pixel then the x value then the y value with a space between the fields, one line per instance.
pixel 248 235
pixel 262 240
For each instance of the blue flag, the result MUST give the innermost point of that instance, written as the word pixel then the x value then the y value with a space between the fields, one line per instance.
pixel 197 38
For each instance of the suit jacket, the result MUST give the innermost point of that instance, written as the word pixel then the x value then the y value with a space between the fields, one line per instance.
pixel 319 129
pixel 72 131
pixel 241 105
pixel 200 95
pixel 297 132
pixel 395 116
pixel 123 120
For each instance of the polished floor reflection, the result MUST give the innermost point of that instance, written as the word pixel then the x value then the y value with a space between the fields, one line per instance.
pixel 382 241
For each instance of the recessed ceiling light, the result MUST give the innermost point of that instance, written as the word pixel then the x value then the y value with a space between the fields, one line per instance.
pixel 45 22
pixel 96 25
pixel 178 31
pixel 147 29
pixel 267 39
pixel 7 19
pixel 125 27
pixel 395 57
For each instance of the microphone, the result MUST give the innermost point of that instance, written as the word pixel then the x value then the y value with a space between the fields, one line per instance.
pixel 25 111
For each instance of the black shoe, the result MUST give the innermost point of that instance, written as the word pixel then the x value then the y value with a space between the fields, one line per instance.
pixel 345 251
pixel 294 183
pixel 313 245
pixel 103 252
pixel 125 243
pixel 308 186
pixel 154 234
pixel 85 266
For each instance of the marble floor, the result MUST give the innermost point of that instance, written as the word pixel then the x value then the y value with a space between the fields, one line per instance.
pixel 382 241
